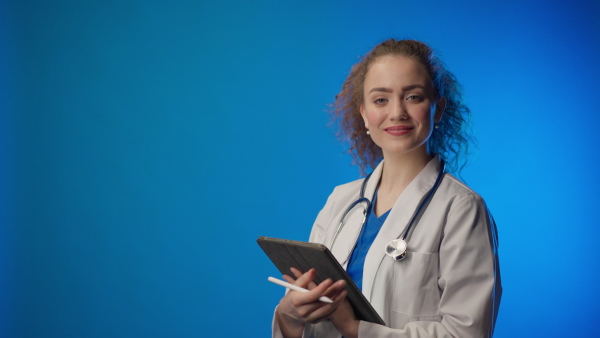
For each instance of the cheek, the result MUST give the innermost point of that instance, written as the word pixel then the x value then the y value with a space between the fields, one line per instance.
pixel 426 115
pixel 374 117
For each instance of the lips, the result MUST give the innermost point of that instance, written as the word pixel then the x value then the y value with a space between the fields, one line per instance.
pixel 398 130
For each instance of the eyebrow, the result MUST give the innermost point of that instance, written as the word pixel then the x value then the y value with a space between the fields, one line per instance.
pixel 415 86
pixel 388 90
pixel 380 89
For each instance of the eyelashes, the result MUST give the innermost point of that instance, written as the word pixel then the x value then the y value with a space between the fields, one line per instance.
pixel 411 98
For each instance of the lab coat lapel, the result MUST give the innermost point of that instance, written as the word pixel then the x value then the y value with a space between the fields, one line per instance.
pixel 344 244
pixel 397 221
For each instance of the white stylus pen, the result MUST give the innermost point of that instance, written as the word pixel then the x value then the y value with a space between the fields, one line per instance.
pixel 296 288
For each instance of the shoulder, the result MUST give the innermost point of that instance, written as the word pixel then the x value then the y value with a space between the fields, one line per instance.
pixel 465 209
pixel 339 199
pixel 349 188
pixel 454 189
pixel 342 194
pixel 455 197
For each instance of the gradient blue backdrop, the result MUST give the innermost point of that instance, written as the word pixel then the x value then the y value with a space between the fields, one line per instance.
pixel 145 145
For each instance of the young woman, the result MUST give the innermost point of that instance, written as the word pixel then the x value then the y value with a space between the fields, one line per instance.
pixel 403 114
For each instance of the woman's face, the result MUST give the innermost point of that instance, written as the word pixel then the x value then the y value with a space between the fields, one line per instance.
pixel 399 106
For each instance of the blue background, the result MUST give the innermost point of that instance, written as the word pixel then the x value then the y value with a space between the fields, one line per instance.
pixel 145 145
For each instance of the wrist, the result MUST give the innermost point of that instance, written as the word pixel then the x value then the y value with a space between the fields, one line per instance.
pixel 289 327
pixel 350 328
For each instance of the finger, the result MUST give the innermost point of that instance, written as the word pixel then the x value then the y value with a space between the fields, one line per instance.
pixel 289 279
pixel 328 287
pixel 304 279
pixel 312 312
pixel 319 290
pixel 312 284
pixel 301 282
pixel 325 288
pixel 333 290
pixel 312 296
pixel 297 272
pixel 341 296
pixel 325 311
pixel 318 320
pixel 316 311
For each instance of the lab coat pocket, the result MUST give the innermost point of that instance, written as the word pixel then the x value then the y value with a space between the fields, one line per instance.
pixel 399 320
pixel 416 293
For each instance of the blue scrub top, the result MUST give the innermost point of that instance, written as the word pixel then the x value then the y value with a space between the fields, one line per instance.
pixel 367 235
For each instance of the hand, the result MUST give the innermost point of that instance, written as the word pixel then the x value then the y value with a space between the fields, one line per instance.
pixel 344 319
pixel 297 308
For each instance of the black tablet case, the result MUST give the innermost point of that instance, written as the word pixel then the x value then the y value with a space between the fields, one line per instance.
pixel 285 253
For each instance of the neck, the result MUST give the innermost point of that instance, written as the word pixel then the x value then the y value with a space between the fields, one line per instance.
pixel 399 171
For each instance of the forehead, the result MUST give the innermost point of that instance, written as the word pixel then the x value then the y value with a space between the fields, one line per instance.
pixel 393 70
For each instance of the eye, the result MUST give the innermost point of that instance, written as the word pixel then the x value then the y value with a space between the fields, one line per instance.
pixel 413 98
pixel 380 101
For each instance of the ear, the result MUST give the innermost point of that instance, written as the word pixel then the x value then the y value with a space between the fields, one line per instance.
pixel 364 115
pixel 440 107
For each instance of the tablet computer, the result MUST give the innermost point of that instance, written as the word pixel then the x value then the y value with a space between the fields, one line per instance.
pixel 285 253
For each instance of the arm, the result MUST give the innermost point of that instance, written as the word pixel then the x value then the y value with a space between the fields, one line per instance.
pixel 469 279
pixel 296 309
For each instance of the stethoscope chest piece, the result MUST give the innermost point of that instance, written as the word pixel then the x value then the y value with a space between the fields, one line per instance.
pixel 396 249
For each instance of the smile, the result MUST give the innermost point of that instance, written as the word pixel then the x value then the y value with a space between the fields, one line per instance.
pixel 398 130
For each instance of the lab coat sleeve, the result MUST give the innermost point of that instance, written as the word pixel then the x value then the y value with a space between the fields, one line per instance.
pixel 319 228
pixel 469 277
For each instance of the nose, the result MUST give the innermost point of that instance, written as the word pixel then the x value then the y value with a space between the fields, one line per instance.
pixel 399 112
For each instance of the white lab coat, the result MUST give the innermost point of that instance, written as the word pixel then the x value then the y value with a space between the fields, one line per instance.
pixel 448 285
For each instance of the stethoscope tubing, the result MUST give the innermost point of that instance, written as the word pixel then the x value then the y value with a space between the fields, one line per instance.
pixel 401 240
pixel 430 193
pixel 361 199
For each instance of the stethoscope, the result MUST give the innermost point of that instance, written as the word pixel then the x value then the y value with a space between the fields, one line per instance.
pixel 396 248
